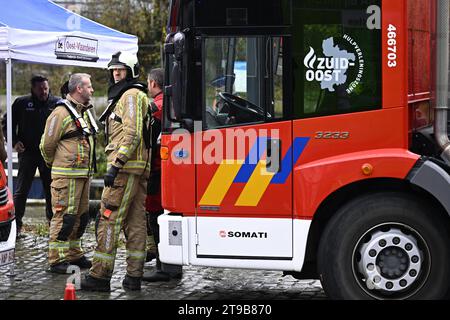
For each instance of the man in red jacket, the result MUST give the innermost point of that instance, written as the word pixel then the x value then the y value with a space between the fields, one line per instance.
pixel 153 200
pixel 153 206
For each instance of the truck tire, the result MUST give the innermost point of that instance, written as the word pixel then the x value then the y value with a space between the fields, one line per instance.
pixel 387 245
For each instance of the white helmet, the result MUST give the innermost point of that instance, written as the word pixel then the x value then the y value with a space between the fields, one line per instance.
pixel 127 60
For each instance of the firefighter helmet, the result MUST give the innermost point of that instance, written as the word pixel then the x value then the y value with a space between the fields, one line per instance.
pixel 127 60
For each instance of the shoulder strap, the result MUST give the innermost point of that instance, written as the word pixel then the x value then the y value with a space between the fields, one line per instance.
pixel 109 109
pixel 115 117
pixel 72 134
pixel 81 124
pixel 92 121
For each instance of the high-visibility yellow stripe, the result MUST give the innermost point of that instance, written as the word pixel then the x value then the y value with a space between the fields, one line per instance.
pixel 133 164
pixel 59 244
pixel 64 124
pixel 70 171
pixel 75 244
pixel 92 152
pixel 136 255
pixel 123 150
pixel 104 257
pixel 91 141
pixel 80 153
pixel 79 170
pixel 221 182
pixel 140 165
pixel 71 206
pixel 256 186
pixel 140 123
pixel 61 248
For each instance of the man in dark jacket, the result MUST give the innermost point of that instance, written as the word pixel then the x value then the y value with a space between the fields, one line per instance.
pixel 29 114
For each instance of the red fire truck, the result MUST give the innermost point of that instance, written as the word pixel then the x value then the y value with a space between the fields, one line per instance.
pixel 310 137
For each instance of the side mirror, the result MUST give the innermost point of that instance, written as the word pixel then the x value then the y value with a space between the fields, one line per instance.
pixel 174 50
pixel 178 41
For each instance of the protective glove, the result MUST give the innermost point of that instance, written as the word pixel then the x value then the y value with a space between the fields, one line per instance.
pixel 110 176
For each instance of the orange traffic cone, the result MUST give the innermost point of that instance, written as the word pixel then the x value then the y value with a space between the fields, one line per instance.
pixel 69 292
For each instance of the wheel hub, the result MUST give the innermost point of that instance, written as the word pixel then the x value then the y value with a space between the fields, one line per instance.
pixel 393 262
pixel 390 261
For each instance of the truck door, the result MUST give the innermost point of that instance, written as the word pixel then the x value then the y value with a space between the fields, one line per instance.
pixel 244 154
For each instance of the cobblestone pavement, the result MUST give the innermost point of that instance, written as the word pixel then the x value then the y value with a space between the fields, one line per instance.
pixel 32 281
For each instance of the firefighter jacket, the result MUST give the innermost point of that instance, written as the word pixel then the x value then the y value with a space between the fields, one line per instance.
pixel 69 154
pixel 126 147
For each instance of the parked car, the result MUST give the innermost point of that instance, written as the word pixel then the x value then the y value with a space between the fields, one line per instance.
pixel 7 222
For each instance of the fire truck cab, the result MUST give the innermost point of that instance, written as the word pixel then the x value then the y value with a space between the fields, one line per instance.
pixel 310 137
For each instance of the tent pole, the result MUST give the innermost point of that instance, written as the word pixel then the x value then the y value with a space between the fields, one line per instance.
pixel 9 122
pixel 9 134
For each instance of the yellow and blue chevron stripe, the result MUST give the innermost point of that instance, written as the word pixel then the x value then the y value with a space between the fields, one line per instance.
pixel 253 172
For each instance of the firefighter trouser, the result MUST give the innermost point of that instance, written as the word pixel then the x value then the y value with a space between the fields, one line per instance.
pixel 151 244
pixel 122 207
pixel 153 207
pixel 28 162
pixel 153 221
pixel 70 203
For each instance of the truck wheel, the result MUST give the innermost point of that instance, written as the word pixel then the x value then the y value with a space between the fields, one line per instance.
pixel 385 246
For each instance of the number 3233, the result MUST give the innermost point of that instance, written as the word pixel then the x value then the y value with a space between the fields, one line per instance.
pixel 332 135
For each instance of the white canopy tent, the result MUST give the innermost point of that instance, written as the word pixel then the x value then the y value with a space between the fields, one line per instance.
pixel 40 31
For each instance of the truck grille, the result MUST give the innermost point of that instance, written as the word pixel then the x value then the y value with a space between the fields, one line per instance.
pixel 5 229
pixel 3 196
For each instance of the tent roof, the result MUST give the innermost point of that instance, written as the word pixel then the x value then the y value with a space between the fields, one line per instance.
pixel 43 32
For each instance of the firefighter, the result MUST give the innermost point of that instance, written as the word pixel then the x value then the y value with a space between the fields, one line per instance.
pixel 155 81
pixel 122 207
pixel 68 146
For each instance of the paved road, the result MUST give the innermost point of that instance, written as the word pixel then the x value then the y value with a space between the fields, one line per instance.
pixel 198 283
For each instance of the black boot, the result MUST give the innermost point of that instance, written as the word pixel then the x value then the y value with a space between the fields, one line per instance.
pixel 156 276
pixel 19 234
pixel 131 283
pixel 60 268
pixel 90 283
pixel 176 275
pixel 83 263
pixel 150 256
